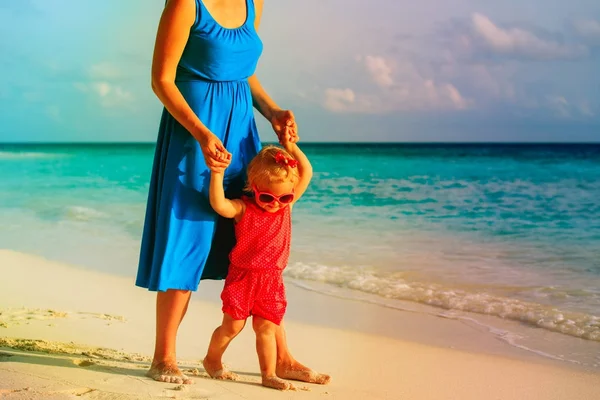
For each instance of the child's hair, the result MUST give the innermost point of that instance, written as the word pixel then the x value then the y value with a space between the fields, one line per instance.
pixel 271 164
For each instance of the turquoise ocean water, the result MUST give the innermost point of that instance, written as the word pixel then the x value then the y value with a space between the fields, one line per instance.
pixel 510 232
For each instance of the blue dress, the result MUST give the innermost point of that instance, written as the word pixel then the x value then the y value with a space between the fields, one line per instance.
pixel 183 239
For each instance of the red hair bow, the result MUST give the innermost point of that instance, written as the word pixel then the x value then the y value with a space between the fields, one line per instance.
pixel 284 161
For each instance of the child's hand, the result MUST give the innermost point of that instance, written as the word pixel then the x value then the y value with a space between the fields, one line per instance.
pixel 288 141
pixel 222 157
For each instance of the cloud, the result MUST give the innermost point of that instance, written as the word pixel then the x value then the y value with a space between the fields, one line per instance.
pixel 107 94
pixel 520 43
pixel 399 86
pixel 514 71
pixel 379 70
pixel 104 86
pixel 339 100
pixel 585 109
pixel 405 86
pixel 506 88
pixel 564 108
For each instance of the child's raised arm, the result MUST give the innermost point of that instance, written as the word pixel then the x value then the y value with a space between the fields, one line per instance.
pixel 304 167
pixel 222 205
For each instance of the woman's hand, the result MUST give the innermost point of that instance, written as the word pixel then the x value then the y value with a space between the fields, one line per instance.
pixel 284 123
pixel 217 158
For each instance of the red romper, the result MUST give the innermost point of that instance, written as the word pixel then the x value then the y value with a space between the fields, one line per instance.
pixel 254 283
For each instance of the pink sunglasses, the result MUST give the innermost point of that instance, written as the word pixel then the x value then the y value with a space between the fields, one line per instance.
pixel 266 197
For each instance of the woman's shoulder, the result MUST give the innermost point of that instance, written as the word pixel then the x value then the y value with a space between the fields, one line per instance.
pixel 258 6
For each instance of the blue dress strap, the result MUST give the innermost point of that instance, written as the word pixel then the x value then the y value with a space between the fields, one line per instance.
pixel 199 14
pixel 251 13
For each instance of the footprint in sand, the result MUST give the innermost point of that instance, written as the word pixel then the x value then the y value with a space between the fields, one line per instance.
pixel 83 363
pixel 15 316
pixel 73 349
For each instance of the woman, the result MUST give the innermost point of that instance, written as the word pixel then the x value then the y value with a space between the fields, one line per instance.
pixel 205 56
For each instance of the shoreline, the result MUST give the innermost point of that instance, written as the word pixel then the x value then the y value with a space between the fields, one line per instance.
pixel 372 352
pixel 478 333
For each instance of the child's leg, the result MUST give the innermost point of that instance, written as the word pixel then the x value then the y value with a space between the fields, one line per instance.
pixel 219 341
pixel 289 368
pixel 266 347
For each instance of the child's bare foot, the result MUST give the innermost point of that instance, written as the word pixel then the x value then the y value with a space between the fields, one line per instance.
pixel 168 372
pixel 298 372
pixel 277 383
pixel 218 371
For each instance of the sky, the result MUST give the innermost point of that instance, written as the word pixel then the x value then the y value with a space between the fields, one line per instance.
pixel 379 70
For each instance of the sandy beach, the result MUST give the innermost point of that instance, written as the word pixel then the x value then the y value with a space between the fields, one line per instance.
pixel 67 332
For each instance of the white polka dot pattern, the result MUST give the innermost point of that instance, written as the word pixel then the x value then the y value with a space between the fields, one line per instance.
pixel 263 239
pixel 254 283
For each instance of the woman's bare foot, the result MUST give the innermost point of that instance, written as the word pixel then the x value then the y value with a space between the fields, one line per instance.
pixel 218 371
pixel 167 372
pixel 298 372
pixel 277 383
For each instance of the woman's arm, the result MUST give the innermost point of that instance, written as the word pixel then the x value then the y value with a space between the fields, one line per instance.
pixel 173 33
pixel 261 99
pixel 282 120
pixel 222 205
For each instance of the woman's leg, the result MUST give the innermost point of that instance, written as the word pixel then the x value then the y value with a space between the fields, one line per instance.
pixel 171 307
pixel 221 337
pixel 289 368
pixel 266 348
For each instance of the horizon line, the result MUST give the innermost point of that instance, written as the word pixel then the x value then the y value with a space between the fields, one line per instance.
pixel 326 143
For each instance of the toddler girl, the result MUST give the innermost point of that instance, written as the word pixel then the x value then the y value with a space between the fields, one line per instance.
pixel 263 225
